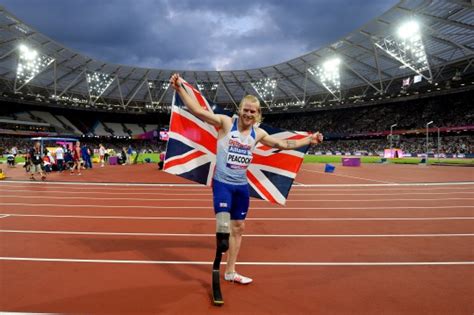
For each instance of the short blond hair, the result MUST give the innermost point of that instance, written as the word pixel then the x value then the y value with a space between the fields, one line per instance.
pixel 254 100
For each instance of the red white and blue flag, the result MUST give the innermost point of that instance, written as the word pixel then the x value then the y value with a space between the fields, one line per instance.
pixel 191 152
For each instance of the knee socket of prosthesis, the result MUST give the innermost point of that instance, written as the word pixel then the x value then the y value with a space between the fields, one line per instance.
pixel 223 222
pixel 222 231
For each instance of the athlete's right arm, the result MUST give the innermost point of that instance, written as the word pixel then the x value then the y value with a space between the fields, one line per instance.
pixel 193 106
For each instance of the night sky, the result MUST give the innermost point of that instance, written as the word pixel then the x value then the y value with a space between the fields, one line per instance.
pixel 196 35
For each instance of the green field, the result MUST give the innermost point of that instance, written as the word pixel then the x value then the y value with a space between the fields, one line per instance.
pixel 375 159
pixel 154 158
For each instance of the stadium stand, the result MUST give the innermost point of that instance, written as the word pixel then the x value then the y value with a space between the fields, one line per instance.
pixel 100 130
pixel 135 129
pixel 151 127
pixel 117 129
pixel 68 124
pixel 26 116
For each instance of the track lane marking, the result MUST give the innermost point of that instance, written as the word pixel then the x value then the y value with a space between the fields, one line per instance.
pixel 246 235
pixel 247 219
pixel 276 207
pixel 188 186
pixel 242 263
pixel 207 199
pixel 209 194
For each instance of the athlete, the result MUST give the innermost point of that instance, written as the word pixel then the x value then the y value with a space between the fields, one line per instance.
pixel 101 155
pixel 77 158
pixel 236 141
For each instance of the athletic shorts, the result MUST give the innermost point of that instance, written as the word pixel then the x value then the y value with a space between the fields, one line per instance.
pixel 234 199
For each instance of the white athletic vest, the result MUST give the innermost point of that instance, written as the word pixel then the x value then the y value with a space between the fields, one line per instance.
pixel 234 154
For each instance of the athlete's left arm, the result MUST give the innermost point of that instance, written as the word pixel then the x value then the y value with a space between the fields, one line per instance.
pixel 290 144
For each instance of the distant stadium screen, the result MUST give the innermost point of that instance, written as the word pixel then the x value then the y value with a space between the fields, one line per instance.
pixel 164 136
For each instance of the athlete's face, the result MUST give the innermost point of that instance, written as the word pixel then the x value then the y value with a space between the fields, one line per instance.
pixel 248 113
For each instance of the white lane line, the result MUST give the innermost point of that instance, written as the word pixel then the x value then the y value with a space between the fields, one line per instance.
pixel 242 263
pixel 276 207
pixel 209 194
pixel 4 216
pixel 100 184
pixel 100 217
pixel 206 200
pixel 400 185
pixel 121 193
pixel 246 235
pixel 348 176
pixel 198 186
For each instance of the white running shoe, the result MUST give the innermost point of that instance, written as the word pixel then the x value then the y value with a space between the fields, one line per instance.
pixel 235 277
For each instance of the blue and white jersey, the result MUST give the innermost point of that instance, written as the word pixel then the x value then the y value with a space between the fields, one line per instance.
pixel 234 155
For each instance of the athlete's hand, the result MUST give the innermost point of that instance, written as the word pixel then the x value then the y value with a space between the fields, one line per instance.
pixel 175 81
pixel 316 138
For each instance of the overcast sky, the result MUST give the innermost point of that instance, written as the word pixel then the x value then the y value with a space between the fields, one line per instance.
pixel 196 34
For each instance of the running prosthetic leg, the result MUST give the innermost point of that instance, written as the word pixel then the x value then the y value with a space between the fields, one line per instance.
pixel 222 240
pixel 222 245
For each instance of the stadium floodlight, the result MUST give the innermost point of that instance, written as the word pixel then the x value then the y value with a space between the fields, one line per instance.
pixel 97 83
pixel 209 89
pixel 165 85
pixel 207 86
pixel 328 74
pixel 407 47
pixel 265 88
pixel 30 64
pixel 408 29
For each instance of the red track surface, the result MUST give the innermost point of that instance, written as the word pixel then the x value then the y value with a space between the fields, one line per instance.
pixel 345 249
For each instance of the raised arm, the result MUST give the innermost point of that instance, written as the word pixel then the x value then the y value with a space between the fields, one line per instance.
pixel 196 109
pixel 281 144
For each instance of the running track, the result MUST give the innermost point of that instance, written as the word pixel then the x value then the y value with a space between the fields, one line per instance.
pixel 371 247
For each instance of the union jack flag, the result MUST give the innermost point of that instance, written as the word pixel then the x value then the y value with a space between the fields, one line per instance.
pixel 191 152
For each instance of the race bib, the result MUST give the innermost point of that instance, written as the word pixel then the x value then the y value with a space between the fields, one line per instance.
pixel 239 155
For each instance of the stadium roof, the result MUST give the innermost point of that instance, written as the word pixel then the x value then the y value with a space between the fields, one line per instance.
pixel 372 61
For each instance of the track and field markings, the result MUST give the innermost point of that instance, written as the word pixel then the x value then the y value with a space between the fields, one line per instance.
pixel 247 235
pixel 188 186
pixel 103 184
pixel 101 217
pixel 209 194
pixel 398 185
pixel 242 263
pixel 4 216
pixel 55 205
pixel 347 176
pixel 207 199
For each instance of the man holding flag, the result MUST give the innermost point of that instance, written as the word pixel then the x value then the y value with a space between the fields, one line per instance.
pixel 236 141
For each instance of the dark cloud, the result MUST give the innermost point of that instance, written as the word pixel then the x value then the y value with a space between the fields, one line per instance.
pixel 197 35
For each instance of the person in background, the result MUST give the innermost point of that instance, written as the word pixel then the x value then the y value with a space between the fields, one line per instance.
pixel 123 156
pixel 77 158
pixel 86 156
pixel 68 159
pixel 60 158
pixel 101 155
pixel 14 152
pixel 107 155
pixel 36 160
pixel 47 162
pixel 162 160
pixel 129 154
